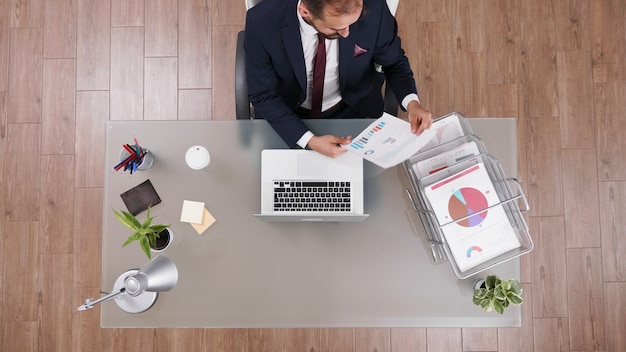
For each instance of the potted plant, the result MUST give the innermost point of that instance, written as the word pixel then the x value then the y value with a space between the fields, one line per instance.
pixel 496 294
pixel 149 235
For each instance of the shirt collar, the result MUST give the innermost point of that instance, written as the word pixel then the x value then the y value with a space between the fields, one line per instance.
pixel 305 27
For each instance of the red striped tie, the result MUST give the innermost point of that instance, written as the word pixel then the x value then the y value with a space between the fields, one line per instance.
pixel 319 69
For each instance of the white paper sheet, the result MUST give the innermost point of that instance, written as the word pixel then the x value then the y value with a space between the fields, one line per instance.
pixel 388 141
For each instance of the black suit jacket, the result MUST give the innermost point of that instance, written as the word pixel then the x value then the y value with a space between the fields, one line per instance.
pixel 276 72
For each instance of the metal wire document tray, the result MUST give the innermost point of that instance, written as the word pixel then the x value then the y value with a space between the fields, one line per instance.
pixel 470 212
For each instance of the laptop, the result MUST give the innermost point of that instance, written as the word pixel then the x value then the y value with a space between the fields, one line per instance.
pixel 300 185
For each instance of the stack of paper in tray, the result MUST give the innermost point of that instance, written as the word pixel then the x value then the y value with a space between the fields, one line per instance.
pixel 463 197
pixel 197 215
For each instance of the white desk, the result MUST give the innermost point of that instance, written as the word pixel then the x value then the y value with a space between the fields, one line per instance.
pixel 244 272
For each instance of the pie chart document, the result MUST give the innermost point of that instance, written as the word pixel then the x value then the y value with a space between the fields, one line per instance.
pixel 474 232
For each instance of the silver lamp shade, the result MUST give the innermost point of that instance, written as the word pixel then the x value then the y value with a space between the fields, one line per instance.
pixel 135 291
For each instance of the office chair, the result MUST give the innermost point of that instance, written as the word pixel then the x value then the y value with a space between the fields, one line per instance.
pixel 243 108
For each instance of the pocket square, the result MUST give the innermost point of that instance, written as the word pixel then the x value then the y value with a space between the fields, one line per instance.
pixel 358 50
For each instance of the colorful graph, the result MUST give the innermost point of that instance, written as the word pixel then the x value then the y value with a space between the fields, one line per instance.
pixel 468 201
pixel 473 250
pixel 361 142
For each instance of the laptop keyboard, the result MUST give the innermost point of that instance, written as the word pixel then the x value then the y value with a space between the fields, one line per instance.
pixel 312 196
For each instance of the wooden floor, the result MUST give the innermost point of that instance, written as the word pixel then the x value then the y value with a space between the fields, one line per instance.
pixel 66 66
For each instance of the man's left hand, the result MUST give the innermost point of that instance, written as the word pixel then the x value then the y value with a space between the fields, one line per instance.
pixel 420 118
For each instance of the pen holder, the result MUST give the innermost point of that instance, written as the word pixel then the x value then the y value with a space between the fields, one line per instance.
pixel 138 163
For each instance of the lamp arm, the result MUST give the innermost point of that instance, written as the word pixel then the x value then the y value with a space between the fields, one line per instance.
pixel 89 303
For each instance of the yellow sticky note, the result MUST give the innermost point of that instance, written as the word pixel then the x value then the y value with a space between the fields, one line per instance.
pixel 207 220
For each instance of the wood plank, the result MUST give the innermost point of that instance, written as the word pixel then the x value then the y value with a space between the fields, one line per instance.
pixel 470 83
pixel 537 10
pixel 551 334
pixel 501 100
pixel 127 12
pixel 4 96
pixel 582 221
pixel 87 236
pixel 301 340
pixel 475 339
pixel 25 78
pixel 585 297
pixel 432 67
pixel 225 340
pixel 576 109
pixel 549 267
pixel 160 89
pixel 470 35
pixel 58 116
pixel 130 340
pixel 503 33
pixel 4 46
pixel 92 111
pixel 228 12
pixel 615 306
pixel 608 45
pixel 337 340
pixel 56 217
pixel 609 109
pixel 431 11
pixel 22 172
pixel 444 340
pixel 162 28
pixel 264 340
pixel 372 339
pixel 21 259
pixel 20 336
pixel 59 30
pixel 195 104
pixel 166 340
pixel 127 73
pixel 55 321
pixel 87 336
pixel 520 339
pixel 572 24
pixel 612 223
pixel 26 13
pixel 224 48
pixel 408 340
pixel 194 51
pixel 93 44
pixel 544 166
pixel 2 250
pixel 538 68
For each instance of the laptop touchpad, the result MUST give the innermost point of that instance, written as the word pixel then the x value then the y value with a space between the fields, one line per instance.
pixel 311 164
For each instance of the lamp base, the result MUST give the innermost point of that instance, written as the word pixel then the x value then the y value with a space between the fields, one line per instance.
pixel 130 304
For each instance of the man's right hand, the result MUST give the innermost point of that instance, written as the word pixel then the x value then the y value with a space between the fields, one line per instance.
pixel 329 145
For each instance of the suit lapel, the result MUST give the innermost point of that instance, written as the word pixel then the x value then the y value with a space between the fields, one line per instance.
pixel 293 44
pixel 346 52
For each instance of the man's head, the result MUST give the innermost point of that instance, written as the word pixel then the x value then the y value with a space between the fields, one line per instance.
pixel 332 18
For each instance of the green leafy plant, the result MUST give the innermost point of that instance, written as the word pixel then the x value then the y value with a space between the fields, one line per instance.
pixel 146 233
pixel 498 294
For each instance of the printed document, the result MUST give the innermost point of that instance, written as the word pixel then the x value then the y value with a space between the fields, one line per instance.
pixel 388 141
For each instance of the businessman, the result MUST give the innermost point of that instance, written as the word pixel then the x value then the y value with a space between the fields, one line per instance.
pixel 316 59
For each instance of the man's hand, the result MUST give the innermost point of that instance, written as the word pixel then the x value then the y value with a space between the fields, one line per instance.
pixel 329 145
pixel 420 118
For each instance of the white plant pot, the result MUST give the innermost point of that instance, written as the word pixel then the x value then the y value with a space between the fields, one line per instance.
pixel 170 239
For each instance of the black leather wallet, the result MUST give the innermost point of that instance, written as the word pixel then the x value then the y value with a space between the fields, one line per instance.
pixel 140 197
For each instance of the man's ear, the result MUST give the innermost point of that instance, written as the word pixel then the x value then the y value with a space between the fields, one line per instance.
pixel 303 11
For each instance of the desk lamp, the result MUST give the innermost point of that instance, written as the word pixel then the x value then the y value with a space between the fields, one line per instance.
pixel 135 291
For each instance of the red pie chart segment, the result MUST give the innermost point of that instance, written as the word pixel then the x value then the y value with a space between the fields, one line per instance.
pixel 467 201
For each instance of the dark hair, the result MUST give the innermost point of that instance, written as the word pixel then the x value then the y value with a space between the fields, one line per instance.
pixel 341 7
